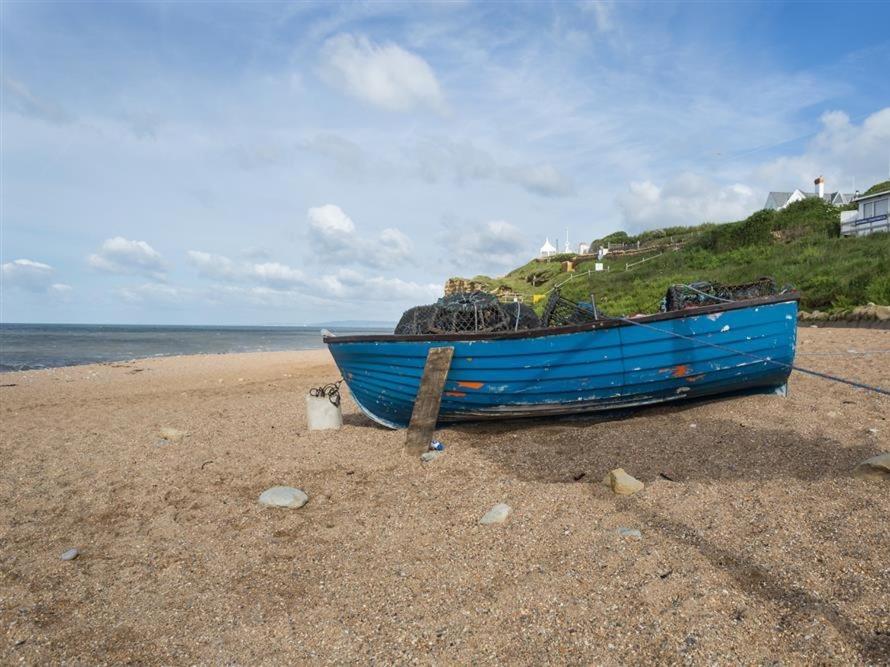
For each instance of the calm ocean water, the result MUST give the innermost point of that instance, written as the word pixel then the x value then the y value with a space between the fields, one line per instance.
pixel 31 346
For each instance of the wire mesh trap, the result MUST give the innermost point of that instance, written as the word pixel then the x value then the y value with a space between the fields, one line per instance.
pixel 560 311
pixel 467 311
pixel 680 297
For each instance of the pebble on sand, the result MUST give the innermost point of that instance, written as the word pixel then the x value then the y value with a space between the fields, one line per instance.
pixel 497 514
pixel 283 496
pixel 623 484
pixel 630 532
pixel 71 554
pixel 172 434
pixel 877 467
pixel 430 456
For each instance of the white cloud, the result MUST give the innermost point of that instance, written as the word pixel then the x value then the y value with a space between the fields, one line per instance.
pixel 688 199
pixel 491 246
pixel 394 247
pixel 271 282
pixel 841 151
pixel 120 255
pixel 333 235
pixel 214 266
pixel 542 180
pixel 276 274
pixel 347 284
pixel 330 221
pixel 219 267
pixel 464 162
pixel 157 293
pixel 384 75
pixel 32 276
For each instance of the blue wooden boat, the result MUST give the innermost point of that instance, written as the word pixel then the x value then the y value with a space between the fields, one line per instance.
pixel 603 365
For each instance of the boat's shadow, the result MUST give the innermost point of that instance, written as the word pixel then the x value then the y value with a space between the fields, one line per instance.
pixel 658 443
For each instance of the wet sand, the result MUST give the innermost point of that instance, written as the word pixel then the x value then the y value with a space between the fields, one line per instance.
pixel 757 546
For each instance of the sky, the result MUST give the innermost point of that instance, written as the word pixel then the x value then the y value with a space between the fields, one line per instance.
pixel 283 163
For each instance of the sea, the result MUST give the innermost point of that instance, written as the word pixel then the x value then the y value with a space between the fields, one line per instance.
pixel 34 346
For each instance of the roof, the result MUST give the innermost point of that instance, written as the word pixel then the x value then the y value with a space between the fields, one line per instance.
pixel 780 199
pixel 547 247
pixel 777 199
pixel 872 196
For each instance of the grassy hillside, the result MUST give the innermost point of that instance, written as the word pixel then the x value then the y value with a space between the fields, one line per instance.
pixel 799 246
pixel 883 186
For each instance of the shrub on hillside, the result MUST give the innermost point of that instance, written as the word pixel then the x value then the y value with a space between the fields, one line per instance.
pixel 878 290
pixel 818 291
pixel 809 215
pixel 754 230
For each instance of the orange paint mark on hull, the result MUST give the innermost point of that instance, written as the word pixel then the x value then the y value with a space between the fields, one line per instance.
pixel 471 385
pixel 456 394
pixel 681 371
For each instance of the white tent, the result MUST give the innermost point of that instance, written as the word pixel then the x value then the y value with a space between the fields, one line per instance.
pixel 547 249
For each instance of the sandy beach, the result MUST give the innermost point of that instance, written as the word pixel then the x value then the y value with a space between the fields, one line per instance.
pixel 756 546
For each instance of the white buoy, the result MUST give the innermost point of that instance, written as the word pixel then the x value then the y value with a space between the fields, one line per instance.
pixel 322 413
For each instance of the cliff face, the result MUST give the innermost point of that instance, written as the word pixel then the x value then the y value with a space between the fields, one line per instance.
pixel 454 285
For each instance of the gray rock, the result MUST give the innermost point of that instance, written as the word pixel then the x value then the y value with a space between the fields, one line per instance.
pixel 427 457
pixel 497 514
pixel 283 496
pixel 877 467
pixel 630 532
pixel 71 554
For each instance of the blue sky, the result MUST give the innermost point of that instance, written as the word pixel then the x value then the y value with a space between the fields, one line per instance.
pixel 266 163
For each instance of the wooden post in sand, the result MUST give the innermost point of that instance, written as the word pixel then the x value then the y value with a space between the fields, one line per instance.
pixel 429 398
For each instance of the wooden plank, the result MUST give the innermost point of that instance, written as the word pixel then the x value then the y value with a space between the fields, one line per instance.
pixel 429 398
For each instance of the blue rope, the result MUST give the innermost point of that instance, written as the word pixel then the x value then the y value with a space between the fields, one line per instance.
pixel 824 376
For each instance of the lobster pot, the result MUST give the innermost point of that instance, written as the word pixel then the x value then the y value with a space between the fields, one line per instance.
pixel 322 413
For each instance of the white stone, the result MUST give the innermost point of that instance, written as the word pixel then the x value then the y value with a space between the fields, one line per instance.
pixel 624 484
pixel 172 434
pixel 71 554
pixel 283 496
pixel 497 514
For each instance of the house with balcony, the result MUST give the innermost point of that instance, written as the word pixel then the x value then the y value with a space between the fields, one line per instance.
pixel 871 216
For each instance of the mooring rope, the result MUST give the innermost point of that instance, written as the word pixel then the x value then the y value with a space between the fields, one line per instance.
pixel 824 376
pixel 330 391
pixel 710 296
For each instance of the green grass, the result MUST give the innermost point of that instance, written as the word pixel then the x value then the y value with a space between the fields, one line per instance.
pixel 798 246
pixel 883 186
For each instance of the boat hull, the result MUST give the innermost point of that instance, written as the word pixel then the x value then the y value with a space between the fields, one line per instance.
pixel 603 366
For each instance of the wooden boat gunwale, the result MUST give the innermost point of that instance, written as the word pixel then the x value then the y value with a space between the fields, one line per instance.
pixel 573 328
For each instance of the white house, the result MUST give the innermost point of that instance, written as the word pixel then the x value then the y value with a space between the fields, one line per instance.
pixel 779 200
pixel 583 248
pixel 872 216
pixel 547 250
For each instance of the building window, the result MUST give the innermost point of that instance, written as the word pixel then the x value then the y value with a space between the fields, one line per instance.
pixel 881 206
pixel 868 209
